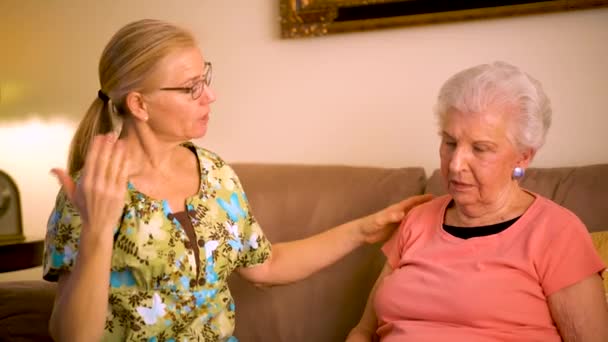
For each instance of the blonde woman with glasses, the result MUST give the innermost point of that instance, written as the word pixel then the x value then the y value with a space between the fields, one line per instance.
pixel 147 226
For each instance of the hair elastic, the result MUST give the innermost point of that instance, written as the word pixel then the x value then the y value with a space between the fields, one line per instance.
pixel 102 96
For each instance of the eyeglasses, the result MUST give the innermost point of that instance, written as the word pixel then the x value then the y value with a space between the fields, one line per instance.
pixel 196 89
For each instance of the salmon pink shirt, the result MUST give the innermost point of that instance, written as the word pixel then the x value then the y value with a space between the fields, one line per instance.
pixel 490 288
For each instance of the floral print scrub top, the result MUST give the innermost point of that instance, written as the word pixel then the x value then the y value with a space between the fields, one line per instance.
pixel 155 293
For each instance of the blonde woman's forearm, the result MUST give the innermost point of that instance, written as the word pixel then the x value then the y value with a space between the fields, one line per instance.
pixel 296 260
pixel 81 303
pixel 293 261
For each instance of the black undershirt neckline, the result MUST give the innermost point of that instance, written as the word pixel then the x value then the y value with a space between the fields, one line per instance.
pixel 471 232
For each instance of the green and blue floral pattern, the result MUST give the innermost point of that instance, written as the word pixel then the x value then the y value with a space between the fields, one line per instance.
pixel 155 293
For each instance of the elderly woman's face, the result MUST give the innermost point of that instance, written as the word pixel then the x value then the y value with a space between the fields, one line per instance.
pixel 477 158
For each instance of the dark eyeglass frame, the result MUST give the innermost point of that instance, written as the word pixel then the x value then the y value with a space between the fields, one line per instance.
pixel 197 88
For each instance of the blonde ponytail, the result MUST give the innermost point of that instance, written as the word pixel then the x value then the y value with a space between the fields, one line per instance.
pixel 98 120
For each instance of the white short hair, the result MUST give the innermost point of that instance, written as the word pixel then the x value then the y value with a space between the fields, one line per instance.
pixel 501 85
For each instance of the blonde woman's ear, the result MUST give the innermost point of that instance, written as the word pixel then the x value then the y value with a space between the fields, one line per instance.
pixel 137 106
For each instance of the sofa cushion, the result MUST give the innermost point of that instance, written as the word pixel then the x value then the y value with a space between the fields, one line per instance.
pixel 296 201
pixel 583 190
pixel 25 308
pixel 600 241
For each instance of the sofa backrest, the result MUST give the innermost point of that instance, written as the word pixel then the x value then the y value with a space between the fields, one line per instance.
pixel 583 190
pixel 296 201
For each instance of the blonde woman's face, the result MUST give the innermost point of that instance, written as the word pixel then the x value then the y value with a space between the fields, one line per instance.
pixel 174 114
pixel 477 157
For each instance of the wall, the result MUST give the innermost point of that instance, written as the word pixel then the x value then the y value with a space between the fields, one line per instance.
pixel 358 98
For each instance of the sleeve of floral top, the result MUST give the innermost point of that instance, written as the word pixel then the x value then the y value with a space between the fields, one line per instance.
pixel 62 236
pixel 255 246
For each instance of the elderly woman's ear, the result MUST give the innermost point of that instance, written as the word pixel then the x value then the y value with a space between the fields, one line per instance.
pixel 527 155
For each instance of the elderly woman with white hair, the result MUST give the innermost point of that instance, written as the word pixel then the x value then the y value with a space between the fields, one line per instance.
pixel 490 261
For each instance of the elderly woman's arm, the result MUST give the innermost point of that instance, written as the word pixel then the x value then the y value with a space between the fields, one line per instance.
pixel 580 311
pixel 365 331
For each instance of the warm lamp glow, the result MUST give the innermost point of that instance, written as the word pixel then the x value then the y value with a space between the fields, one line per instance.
pixel 28 150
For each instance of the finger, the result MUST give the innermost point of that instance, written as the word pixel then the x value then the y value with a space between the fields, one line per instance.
pixel 413 201
pixel 390 216
pixel 397 212
pixel 115 159
pixel 88 172
pixel 102 163
pixel 123 174
pixel 69 187
pixel 117 163
pixel 124 169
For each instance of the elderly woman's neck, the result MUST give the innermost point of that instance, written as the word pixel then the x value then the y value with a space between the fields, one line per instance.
pixel 508 205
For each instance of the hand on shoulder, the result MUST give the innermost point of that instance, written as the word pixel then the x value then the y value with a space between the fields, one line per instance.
pixel 380 225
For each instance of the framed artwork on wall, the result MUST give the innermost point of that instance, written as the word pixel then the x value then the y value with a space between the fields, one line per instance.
pixel 310 18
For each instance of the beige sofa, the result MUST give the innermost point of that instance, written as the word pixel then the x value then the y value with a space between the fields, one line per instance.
pixel 295 201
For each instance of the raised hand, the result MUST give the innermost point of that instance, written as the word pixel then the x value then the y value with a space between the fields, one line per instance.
pixel 380 225
pixel 100 193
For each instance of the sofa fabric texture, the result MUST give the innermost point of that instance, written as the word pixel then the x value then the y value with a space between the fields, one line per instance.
pixel 296 201
pixel 25 308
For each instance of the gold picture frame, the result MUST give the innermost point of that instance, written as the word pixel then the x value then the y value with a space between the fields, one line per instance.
pixel 310 18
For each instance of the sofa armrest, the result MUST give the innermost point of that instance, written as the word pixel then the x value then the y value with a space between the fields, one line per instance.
pixel 25 309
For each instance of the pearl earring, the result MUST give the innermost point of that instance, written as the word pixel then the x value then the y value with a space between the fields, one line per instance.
pixel 518 173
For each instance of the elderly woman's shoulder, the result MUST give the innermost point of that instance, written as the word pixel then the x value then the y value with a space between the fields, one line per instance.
pixel 433 206
pixel 554 213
